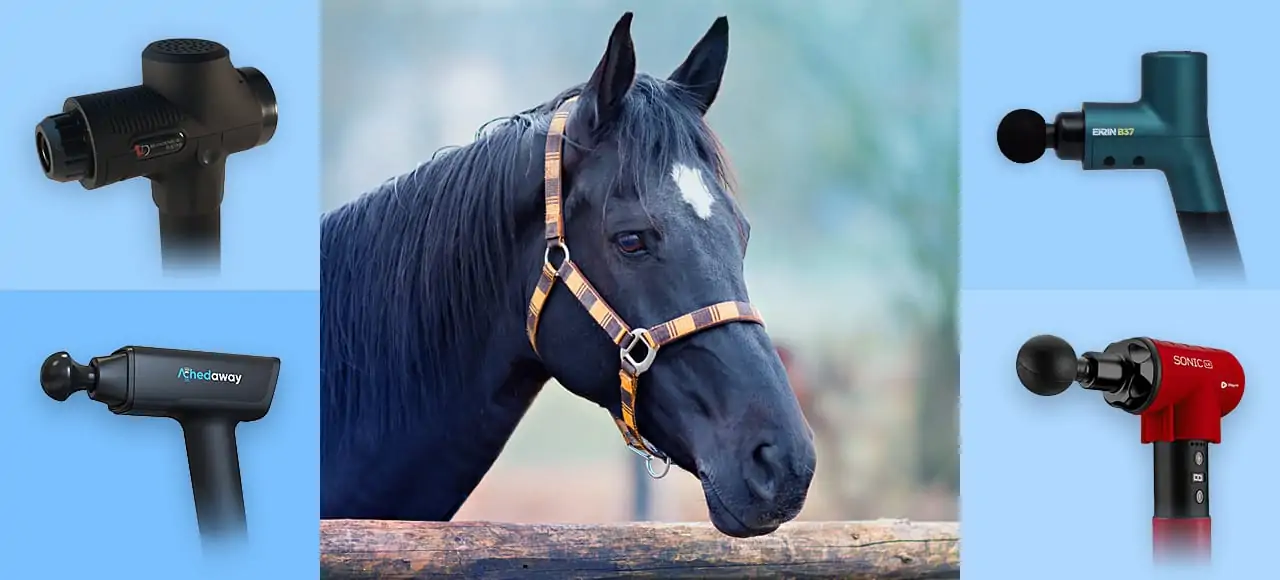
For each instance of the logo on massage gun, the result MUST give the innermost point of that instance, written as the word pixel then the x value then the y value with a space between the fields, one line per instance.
pixel 188 374
pixel 1200 363
pixel 159 146
pixel 1186 361
pixel 1113 131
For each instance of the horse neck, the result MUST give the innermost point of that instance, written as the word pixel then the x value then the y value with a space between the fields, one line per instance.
pixel 425 466
pixel 409 436
pixel 447 454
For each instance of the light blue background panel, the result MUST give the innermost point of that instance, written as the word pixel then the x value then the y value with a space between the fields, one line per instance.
pixel 85 493
pixel 1050 224
pixel 1060 488
pixel 59 236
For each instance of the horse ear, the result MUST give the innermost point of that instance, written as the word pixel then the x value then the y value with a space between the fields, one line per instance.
pixel 702 70
pixel 602 96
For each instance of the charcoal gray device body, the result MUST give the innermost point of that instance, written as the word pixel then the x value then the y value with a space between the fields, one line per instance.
pixel 192 110
pixel 207 393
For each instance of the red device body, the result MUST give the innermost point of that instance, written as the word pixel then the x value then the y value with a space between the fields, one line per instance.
pixel 1195 388
pixel 1182 538
pixel 1198 386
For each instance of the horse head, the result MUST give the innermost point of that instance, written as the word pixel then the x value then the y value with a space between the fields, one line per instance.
pixel 653 225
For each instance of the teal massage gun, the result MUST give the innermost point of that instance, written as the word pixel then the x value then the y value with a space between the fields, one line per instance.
pixel 1166 129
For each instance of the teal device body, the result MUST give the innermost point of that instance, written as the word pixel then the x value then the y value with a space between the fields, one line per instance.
pixel 1167 129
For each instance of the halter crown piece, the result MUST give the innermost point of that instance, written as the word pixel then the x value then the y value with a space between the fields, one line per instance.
pixel 629 340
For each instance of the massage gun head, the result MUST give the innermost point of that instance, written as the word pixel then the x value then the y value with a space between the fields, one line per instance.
pixel 1120 135
pixel 192 110
pixel 1024 136
pixel 1047 366
pixel 1144 377
pixel 61 376
pixel 158 382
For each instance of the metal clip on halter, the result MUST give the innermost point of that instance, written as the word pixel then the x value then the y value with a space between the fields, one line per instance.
pixel 648 462
pixel 556 245
pixel 638 336
pixel 635 368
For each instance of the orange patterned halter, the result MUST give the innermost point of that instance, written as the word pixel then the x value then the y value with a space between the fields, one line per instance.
pixel 629 340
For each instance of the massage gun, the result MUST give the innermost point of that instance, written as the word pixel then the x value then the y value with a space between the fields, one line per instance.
pixel 1167 129
pixel 207 393
pixel 177 128
pixel 1179 392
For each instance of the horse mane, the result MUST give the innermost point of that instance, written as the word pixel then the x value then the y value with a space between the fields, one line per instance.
pixel 416 272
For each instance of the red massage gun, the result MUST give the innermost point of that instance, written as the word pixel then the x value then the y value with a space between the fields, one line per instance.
pixel 1181 393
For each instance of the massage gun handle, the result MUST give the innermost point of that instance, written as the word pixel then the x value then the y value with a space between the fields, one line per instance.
pixel 189 199
pixel 1181 525
pixel 215 476
pixel 1193 180
pixel 1181 538
pixel 1203 215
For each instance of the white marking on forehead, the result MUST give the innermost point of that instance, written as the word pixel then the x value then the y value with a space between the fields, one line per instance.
pixel 693 189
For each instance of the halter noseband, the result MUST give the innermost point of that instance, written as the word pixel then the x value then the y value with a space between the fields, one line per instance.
pixel 628 339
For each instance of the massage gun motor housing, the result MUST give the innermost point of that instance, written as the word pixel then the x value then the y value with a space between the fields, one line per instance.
pixel 1166 129
pixel 178 384
pixel 1192 389
pixel 193 109
pixel 184 384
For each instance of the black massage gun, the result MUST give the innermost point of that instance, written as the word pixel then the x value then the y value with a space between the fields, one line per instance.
pixel 207 393
pixel 177 128
pixel 1166 129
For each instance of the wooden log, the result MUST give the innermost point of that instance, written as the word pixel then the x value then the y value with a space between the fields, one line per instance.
pixel 880 550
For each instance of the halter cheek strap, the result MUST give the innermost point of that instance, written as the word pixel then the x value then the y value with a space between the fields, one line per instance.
pixel 637 347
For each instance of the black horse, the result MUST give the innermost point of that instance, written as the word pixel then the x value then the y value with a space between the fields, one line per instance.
pixel 425 281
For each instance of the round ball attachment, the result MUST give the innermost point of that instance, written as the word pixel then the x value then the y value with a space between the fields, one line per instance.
pixel 61 376
pixel 1046 365
pixel 1023 136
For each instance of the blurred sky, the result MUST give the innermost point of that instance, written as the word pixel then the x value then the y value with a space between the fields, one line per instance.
pixel 840 118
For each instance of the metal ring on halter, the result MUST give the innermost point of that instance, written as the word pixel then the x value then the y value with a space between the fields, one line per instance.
pixel 639 336
pixel 553 245
pixel 648 462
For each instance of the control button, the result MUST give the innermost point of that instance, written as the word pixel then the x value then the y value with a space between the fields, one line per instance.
pixel 1199 458
pixel 1199 496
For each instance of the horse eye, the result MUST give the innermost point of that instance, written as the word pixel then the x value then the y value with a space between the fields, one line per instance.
pixel 629 243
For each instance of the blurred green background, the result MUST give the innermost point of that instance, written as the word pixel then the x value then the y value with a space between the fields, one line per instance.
pixel 841 120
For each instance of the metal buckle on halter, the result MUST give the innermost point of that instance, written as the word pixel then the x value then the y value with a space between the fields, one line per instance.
pixel 648 461
pixel 637 336
pixel 556 245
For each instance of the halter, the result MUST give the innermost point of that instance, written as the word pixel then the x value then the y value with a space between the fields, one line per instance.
pixel 629 340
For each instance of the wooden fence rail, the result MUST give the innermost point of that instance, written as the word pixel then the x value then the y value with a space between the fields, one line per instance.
pixel 880 550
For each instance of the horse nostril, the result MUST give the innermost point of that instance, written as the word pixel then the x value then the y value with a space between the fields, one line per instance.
pixel 766 468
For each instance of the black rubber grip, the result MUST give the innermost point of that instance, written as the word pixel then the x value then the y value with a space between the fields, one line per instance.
pixel 215 478
pixel 1211 245
pixel 1181 479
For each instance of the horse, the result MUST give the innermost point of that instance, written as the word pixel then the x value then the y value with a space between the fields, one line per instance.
pixel 428 365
